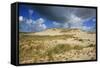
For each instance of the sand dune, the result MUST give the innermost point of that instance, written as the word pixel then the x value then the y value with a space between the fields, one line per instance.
pixel 57 44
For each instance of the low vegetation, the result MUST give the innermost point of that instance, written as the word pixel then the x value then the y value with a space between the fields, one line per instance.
pixel 38 49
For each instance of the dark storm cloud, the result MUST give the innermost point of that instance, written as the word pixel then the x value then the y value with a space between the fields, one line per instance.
pixel 85 13
pixel 62 14
pixel 53 13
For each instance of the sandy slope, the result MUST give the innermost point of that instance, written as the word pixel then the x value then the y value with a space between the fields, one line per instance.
pixel 77 34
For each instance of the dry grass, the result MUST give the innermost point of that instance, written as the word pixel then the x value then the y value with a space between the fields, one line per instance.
pixel 38 49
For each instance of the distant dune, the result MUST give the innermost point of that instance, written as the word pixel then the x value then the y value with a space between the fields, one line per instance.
pixel 76 33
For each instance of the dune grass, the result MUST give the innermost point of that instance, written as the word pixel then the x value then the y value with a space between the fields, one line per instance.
pixel 34 48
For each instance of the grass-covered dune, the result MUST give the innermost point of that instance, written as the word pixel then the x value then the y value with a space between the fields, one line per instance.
pixel 54 48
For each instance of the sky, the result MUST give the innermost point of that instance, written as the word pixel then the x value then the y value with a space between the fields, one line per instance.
pixel 34 18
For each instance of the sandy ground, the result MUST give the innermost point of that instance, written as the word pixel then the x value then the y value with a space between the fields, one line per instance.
pixel 71 37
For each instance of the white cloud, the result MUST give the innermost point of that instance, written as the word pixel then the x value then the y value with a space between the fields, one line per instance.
pixel 30 11
pixel 40 21
pixel 74 19
pixel 21 18
pixel 92 29
pixel 76 25
pixel 44 26
pixel 61 25
pixel 56 24
pixel 28 25
pixel 39 25
pixel 86 28
pixel 72 22
pixel 75 22
pixel 29 21
pixel 66 25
